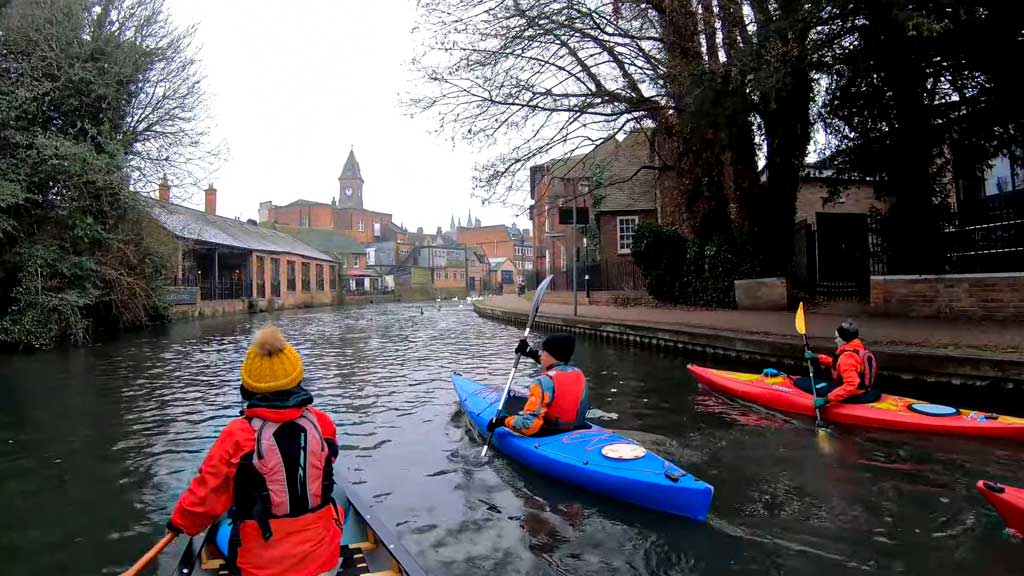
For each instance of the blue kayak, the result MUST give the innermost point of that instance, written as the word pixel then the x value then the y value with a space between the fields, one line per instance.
pixel 595 459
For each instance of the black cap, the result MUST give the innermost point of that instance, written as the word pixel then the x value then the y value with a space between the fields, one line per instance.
pixel 848 331
pixel 560 346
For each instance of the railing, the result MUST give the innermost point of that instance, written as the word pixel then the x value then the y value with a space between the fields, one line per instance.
pixel 619 274
pixel 226 290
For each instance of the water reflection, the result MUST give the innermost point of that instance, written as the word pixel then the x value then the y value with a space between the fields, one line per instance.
pixel 96 444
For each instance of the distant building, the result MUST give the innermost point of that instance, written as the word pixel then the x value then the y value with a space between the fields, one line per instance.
pixel 623 197
pixel 345 214
pixel 502 272
pixel 223 259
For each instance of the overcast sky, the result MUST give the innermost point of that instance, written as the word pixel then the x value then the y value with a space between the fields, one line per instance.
pixel 294 85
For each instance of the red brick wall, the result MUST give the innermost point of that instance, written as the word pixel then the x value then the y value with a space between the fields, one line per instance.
pixel 298 297
pixel 961 296
pixel 321 217
pixel 608 225
pixel 456 277
pixel 347 222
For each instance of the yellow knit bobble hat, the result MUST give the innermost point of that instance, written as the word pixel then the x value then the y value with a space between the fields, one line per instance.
pixel 271 363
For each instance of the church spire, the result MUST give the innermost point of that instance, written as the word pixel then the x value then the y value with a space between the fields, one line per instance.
pixel 452 225
pixel 351 169
pixel 469 218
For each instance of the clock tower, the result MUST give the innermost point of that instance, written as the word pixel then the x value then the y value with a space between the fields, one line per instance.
pixel 350 193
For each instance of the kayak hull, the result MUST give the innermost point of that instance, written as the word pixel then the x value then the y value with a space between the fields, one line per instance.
pixel 576 458
pixel 1008 502
pixel 889 412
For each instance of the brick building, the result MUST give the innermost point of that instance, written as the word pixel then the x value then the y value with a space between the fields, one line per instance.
pixel 615 182
pixel 238 266
pixel 344 214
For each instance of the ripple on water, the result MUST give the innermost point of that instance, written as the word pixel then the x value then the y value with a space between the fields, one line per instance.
pixel 136 416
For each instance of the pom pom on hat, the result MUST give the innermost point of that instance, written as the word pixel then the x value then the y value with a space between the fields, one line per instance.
pixel 271 363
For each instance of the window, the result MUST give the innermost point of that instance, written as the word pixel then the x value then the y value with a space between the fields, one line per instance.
pixel 547 261
pixel 627 225
pixel 355 261
pixel 563 257
pixel 334 277
pixel 371 256
pixel 362 225
pixel 506 276
pixel 344 262
pixel 305 277
pixel 304 220
pixel 291 276
pixel 376 229
pixel 275 277
pixel 261 277
pixel 319 277
pixel 446 275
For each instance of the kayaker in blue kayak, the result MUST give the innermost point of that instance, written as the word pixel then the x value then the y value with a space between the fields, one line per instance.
pixel 558 398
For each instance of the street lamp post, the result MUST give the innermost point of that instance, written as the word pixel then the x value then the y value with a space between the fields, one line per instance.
pixel 575 252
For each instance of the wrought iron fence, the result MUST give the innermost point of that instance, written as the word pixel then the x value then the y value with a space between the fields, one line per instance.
pixel 618 274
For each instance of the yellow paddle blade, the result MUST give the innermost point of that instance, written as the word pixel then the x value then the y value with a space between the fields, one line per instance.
pixel 800 326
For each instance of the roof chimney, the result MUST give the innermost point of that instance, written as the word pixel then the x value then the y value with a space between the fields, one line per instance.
pixel 211 200
pixel 165 189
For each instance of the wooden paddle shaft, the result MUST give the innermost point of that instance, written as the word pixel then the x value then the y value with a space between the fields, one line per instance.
pixel 149 556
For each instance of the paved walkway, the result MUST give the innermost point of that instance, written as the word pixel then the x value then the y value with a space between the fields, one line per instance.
pixel 943 336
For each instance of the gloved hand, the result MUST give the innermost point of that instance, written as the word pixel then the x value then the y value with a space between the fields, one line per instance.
pixel 174 529
pixel 523 347
pixel 809 354
pixel 771 373
pixel 820 402
pixel 495 423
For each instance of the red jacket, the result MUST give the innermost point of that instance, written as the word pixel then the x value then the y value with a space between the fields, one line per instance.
pixel 302 546
pixel 848 370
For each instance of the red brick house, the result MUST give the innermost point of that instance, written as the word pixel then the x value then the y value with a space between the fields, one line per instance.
pixel 616 182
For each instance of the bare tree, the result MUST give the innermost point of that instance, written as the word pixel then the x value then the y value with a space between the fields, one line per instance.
pixel 535 79
pixel 168 129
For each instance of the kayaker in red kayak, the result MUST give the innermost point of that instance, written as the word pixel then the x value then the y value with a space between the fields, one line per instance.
pixel 853 367
pixel 274 469
pixel 558 398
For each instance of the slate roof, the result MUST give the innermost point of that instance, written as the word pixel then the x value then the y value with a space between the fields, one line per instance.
pixel 190 224
pixel 624 188
pixel 351 169
pixel 306 203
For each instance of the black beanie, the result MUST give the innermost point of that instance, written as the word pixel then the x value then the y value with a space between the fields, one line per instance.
pixel 560 346
pixel 848 331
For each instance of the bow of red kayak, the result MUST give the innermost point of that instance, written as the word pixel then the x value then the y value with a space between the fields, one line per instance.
pixel 889 412
pixel 1008 502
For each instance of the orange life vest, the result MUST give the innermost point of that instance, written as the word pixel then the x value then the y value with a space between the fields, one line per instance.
pixel 570 401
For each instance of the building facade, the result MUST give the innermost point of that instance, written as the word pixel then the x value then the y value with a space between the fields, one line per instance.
pixel 241 266
pixel 345 214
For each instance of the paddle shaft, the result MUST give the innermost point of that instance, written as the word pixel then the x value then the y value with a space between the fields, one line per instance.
pixel 149 556
pixel 814 390
pixel 504 393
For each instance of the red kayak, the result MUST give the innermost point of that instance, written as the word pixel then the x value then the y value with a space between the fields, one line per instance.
pixel 1007 500
pixel 889 412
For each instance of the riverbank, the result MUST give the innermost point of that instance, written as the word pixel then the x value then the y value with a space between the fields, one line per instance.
pixel 950 351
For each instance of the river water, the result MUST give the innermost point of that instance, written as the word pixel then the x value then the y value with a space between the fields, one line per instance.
pixel 96 444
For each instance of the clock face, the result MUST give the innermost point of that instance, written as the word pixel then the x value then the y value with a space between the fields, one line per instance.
pixel 348 191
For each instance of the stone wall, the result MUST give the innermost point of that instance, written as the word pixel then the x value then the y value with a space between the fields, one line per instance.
pixel 960 296
pixel 763 294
